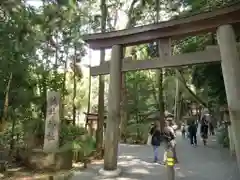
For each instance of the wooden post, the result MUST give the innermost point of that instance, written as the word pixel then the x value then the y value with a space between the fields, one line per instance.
pixel 170 173
pixel 100 121
pixel 230 133
pixel 230 67
pixel 113 119
pixel 170 162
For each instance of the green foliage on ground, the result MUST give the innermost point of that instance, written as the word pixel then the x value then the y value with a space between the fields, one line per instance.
pixel 137 133
pixel 222 136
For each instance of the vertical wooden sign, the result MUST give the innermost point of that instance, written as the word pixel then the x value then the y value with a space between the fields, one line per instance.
pixel 52 123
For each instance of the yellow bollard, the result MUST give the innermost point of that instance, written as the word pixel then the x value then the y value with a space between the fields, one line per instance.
pixel 170 159
pixel 170 165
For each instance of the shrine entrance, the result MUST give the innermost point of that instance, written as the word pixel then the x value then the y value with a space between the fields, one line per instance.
pixel 225 22
pixel 91 122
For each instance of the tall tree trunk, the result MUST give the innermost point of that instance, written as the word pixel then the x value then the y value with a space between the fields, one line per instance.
pixel 177 108
pixel 63 87
pixel 12 142
pixel 89 97
pixel 124 114
pixel 100 122
pixel 74 86
pixel 56 62
pixel 136 101
pixel 5 107
pixel 43 82
pixel 160 76
pixel 44 95
pixel 161 108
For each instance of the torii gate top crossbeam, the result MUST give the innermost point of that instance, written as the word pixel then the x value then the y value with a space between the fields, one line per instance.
pixel 177 28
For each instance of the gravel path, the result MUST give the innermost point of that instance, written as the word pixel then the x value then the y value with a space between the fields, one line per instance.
pixel 200 163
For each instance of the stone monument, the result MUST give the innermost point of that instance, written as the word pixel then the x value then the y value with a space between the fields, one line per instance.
pixel 51 156
pixel 52 123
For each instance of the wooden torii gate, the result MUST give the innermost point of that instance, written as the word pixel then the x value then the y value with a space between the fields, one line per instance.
pixel 225 22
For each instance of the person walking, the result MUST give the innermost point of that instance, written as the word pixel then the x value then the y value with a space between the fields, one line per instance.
pixel 192 130
pixel 204 129
pixel 211 129
pixel 156 139
pixel 183 130
pixel 169 138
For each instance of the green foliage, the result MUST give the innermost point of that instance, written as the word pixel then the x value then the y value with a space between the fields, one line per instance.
pixel 16 133
pixel 5 136
pixel 208 79
pixel 72 137
pixel 139 92
pixel 83 144
pixel 35 127
pixel 137 133
pixel 206 5
pixel 70 133
pixel 211 76
pixel 222 137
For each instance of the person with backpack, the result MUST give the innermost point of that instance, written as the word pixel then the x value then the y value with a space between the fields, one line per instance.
pixel 156 139
pixel 169 138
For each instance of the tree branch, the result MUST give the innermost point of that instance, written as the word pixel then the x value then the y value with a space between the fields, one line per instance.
pixel 183 81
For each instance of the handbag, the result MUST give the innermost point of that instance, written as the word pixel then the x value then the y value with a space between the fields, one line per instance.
pixel 149 140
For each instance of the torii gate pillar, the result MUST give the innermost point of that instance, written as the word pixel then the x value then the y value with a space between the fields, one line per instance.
pixel 230 67
pixel 113 119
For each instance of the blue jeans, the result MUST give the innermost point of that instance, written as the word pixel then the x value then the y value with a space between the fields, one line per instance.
pixel 155 151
